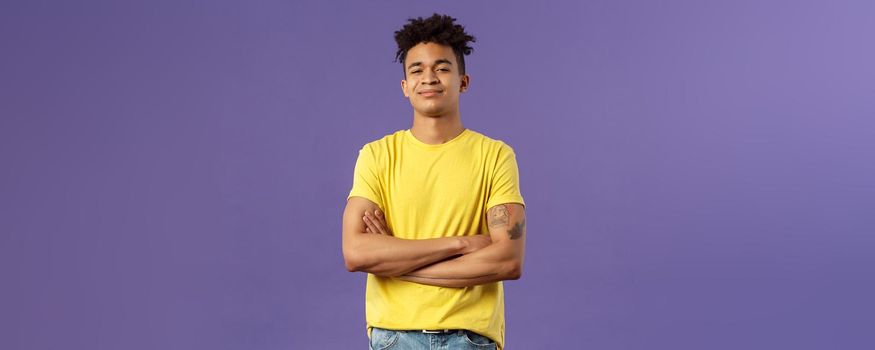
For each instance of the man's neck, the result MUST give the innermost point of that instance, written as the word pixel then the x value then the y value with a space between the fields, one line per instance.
pixel 436 130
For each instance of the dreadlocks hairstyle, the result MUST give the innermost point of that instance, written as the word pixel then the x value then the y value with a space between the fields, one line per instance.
pixel 438 29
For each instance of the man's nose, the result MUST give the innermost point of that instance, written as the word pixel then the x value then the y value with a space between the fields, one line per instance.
pixel 430 77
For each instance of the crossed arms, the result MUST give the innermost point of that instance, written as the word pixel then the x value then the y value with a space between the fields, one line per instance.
pixel 460 261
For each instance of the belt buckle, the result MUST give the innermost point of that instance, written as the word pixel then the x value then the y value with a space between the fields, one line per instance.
pixel 435 331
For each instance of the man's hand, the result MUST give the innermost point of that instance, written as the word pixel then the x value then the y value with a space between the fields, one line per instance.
pixel 367 248
pixel 376 223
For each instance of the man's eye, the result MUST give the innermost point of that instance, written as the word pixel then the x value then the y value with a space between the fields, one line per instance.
pixel 414 72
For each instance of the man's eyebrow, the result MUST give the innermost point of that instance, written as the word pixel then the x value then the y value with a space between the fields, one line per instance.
pixel 436 62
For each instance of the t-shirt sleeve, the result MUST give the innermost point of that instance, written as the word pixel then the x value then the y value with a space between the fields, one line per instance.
pixel 505 186
pixel 366 180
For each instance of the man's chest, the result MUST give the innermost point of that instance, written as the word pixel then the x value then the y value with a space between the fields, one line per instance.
pixel 445 194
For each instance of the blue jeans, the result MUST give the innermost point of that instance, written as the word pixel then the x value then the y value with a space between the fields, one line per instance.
pixel 385 339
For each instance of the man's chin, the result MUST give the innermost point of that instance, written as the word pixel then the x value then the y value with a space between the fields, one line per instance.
pixel 433 115
pixel 432 112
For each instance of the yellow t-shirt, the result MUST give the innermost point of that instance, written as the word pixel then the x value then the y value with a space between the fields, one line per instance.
pixel 430 191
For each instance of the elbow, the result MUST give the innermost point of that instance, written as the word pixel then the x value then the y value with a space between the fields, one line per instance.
pixel 357 265
pixel 357 262
pixel 514 270
pixel 354 258
pixel 352 261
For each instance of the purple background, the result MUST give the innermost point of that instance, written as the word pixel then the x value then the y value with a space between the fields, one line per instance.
pixel 698 175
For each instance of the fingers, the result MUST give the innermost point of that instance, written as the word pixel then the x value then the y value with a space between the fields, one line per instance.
pixel 382 222
pixel 377 223
pixel 370 227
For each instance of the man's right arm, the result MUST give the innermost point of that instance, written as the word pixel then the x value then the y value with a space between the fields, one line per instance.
pixel 388 256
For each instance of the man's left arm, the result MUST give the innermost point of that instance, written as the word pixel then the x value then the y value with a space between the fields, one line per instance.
pixel 501 260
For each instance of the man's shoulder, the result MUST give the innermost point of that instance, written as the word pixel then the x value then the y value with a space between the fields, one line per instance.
pixel 384 141
pixel 490 142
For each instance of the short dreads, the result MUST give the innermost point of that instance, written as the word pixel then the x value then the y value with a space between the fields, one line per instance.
pixel 438 29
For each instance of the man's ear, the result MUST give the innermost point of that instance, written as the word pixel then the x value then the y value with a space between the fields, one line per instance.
pixel 404 87
pixel 465 83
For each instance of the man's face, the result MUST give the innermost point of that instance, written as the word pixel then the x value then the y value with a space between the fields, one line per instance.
pixel 432 79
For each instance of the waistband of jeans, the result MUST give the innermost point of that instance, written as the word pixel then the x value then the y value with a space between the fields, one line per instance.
pixel 437 331
pixel 429 331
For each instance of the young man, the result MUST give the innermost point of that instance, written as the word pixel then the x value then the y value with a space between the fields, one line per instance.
pixel 435 215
